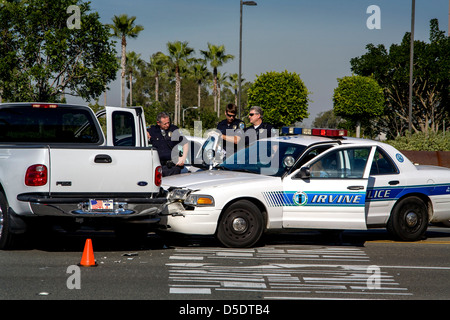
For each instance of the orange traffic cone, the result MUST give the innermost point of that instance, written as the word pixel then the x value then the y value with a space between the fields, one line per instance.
pixel 87 260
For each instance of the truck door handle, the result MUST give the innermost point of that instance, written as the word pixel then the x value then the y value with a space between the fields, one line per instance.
pixel 394 182
pixel 355 188
pixel 102 158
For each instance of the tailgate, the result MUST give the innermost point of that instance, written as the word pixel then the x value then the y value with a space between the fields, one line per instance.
pixel 102 170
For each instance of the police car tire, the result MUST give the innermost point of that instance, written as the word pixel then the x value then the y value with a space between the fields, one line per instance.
pixel 241 225
pixel 409 219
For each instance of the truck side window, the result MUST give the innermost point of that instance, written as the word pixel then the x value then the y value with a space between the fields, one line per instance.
pixel 124 133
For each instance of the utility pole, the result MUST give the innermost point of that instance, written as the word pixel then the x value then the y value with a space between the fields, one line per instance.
pixel 411 65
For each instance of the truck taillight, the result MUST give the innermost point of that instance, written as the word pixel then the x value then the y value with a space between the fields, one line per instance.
pixel 158 176
pixel 36 175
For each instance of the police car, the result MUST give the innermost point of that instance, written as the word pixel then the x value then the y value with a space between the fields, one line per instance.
pixel 308 179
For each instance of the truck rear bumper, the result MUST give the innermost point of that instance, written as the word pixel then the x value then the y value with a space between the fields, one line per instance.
pixel 95 205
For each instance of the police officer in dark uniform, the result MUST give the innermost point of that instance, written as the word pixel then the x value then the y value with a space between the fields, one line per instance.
pixel 232 129
pixel 164 137
pixel 258 129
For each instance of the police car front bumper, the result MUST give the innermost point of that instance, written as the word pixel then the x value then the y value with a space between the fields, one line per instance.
pixel 200 221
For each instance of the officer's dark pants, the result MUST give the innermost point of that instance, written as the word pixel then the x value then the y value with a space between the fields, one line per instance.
pixel 171 170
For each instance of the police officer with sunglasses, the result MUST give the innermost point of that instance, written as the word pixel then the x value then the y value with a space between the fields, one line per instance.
pixel 232 129
pixel 258 129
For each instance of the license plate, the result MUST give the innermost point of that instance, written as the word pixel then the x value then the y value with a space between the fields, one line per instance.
pixel 103 205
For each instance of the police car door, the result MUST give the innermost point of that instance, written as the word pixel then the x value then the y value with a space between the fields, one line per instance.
pixel 329 192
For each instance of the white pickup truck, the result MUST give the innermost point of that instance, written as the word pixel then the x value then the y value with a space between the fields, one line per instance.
pixel 57 166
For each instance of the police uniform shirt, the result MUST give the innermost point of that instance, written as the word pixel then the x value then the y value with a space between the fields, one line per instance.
pixel 236 125
pixel 264 130
pixel 235 128
pixel 165 140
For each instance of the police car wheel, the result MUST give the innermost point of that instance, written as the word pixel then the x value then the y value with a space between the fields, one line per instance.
pixel 409 219
pixel 241 225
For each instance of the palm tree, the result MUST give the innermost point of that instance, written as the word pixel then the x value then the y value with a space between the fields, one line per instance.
pixel 200 73
pixel 179 53
pixel 234 83
pixel 123 27
pixel 133 64
pixel 217 57
pixel 157 65
pixel 222 79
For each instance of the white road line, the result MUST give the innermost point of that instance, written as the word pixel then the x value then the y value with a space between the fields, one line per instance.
pixel 184 257
pixel 190 290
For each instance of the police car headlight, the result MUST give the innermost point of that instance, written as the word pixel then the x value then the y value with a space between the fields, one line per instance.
pixel 199 200
pixel 178 194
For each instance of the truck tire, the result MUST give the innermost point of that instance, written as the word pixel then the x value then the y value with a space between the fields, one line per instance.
pixel 241 225
pixel 6 234
pixel 409 219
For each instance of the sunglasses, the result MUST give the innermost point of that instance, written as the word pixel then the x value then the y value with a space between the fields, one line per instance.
pixel 252 114
pixel 231 115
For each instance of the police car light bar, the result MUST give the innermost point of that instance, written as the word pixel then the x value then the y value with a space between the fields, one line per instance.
pixel 314 132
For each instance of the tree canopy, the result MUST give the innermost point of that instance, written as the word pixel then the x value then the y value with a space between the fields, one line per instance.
pixel 282 95
pixel 431 84
pixel 41 58
pixel 358 99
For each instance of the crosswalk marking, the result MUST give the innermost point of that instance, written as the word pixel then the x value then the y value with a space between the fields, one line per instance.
pixel 337 272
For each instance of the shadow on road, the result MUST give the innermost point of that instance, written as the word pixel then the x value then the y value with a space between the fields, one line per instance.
pixel 107 240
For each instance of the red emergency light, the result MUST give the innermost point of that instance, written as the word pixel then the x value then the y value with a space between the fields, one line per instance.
pixel 314 132
pixel 329 132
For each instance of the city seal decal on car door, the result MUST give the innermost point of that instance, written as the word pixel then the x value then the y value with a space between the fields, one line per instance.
pixel 300 198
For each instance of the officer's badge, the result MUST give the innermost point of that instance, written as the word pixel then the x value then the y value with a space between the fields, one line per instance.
pixel 169 134
pixel 234 127
pixel 241 126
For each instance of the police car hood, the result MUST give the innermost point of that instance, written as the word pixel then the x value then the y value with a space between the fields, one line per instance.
pixel 211 179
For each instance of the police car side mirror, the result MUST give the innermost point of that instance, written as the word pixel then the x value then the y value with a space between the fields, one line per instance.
pixel 305 173
pixel 209 156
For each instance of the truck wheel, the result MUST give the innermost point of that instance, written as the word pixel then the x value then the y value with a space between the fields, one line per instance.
pixel 241 225
pixel 6 235
pixel 409 219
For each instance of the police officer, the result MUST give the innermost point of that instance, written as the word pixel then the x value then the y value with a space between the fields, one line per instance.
pixel 232 129
pixel 165 136
pixel 258 129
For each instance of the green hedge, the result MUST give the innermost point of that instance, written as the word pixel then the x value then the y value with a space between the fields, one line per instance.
pixel 422 142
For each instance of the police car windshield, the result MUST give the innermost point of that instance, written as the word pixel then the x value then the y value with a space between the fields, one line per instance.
pixel 263 157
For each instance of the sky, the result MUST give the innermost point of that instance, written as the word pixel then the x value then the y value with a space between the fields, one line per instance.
pixel 314 38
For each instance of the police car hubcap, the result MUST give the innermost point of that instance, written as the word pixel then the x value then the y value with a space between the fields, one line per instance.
pixel 411 219
pixel 239 224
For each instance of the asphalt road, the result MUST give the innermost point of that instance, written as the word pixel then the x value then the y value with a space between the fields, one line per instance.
pixel 296 266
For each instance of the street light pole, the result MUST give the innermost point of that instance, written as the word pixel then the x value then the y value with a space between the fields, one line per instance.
pixel 184 110
pixel 243 3
pixel 411 65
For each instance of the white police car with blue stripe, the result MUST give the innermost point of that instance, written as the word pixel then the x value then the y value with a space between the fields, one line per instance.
pixel 317 180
